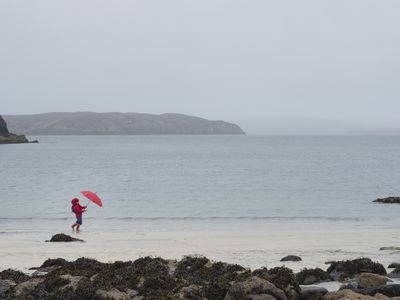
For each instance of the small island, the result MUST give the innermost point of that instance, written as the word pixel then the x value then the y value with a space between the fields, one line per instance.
pixel 9 138
pixel 388 200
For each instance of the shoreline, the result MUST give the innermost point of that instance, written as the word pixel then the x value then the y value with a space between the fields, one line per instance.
pixel 253 248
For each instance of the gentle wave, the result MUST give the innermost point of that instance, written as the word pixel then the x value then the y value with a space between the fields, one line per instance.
pixel 213 218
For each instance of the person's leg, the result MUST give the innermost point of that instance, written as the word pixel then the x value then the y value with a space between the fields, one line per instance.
pixel 78 223
pixel 73 226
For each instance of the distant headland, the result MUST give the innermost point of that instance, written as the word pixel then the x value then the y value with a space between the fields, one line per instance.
pixel 91 123
pixel 9 138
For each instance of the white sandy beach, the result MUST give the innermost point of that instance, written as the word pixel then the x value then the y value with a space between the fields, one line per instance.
pixel 250 248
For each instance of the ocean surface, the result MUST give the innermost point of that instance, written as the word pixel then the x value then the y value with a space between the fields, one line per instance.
pixel 201 181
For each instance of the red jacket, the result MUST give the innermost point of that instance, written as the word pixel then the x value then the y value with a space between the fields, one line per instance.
pixel 78 209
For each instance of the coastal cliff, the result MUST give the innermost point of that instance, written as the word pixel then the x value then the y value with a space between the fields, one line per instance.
pixel 90 123
pixel 3 127
pixel 9 138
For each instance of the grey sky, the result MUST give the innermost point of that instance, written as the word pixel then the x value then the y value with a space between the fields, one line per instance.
pixel 253 62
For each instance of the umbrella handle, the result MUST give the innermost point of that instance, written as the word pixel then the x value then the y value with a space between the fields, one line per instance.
pixel 87 204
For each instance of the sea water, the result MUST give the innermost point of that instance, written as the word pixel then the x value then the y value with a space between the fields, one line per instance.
pixel 242 199
pixel 224 179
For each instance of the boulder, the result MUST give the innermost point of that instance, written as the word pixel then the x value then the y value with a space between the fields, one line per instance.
pixel 312 293
pixel 389 290
pixel 369 280
pixel 27 286
pixel 395 273
pixel 51 262
pixel 347 295
pixel 312 276
pixel 388 200
pixel 291 258
pixel 350 285
pixel 61 237
pixel 342 270
pixel 255 288
pixel 112 294
pixel 394 265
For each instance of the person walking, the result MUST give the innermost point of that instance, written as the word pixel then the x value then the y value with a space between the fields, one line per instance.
pixel 78 210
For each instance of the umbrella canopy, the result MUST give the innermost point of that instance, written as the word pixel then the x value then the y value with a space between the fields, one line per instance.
pixel 92 197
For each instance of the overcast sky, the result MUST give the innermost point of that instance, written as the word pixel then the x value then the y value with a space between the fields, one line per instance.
pixel 322 64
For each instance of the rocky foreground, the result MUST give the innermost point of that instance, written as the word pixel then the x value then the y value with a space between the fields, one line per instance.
pixel 195 278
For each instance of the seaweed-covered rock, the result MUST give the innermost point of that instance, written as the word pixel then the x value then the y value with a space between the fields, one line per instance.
pixel 281 277
pixel 119 275
pixel 388 200
pixel 48 266
pixel 157 286
pixel 14 275
pixel 148 266
pixel 84 290
pixel 81 267
pixel 215 278
pixel 52 283
pixel 285 279
pixel 262 273
pixel 193 269
pixel 394 266
pixel 53 262
pixel 342 270
pixel 312 276
pixel 291 258
pixel 5 285
pixel 369 280
pixel 254 288
pixel 192 292
pixel 61 237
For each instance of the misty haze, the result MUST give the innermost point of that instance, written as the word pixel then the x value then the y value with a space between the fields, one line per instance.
pixel 199 150
pixel 271 66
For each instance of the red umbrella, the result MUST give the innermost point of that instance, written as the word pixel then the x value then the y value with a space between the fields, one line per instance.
pixel 92 197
